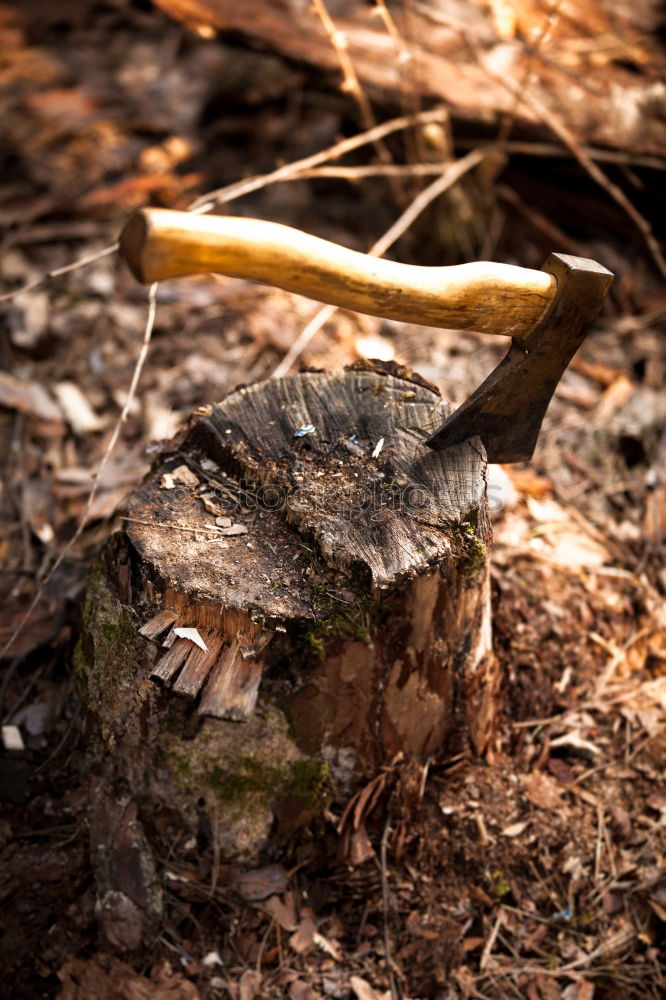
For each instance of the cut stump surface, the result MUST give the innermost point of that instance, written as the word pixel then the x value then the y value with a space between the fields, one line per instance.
pixel 336 572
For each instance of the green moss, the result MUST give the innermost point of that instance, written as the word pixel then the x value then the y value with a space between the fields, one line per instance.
pixel 312 644
pixel 475 553
pixel 104 659
pixel 338 616
pixel 499 885
pixel 308 789
pixel 300 788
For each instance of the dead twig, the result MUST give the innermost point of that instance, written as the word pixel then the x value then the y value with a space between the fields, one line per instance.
pixel 208 201
pixel 383 849
pixel 448 177
pixel 579 153
pixel 520 88
pixel 352 85
pixel 56 272
pixel 409 94
pixel 490 943
pixel 136 375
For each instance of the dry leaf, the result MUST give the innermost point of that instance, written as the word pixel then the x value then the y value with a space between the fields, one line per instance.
pixel 363 989
pixel 249 985
pixel 79 414
pixel 360 847
pixel 29 398
pixel 615 396
pixel 282 910
pixel 542 790
pixel 303 938
pixel 528 482
pixel 260 883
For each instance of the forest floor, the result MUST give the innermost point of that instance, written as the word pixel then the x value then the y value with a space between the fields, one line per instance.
pixel 537 872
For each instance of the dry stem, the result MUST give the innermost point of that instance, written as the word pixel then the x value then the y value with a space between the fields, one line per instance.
pixel 352 85
pixel 447 178
pixel 136 375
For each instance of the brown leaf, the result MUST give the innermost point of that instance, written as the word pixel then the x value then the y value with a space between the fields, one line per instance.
pixel 298 990
pixel 360 847
pixel 542 790
pixel 283 912
pixel 303 938
pixel 363 989
pixel 249 985
pixel 260 883
pixel 106 978
pixel 29 398
pixel 560 770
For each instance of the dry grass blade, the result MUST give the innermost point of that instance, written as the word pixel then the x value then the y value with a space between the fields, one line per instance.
pixel 395 993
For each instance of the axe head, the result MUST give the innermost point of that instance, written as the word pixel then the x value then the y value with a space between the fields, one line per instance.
pixel 507 409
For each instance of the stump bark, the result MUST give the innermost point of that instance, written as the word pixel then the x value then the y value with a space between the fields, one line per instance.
pixel 336 572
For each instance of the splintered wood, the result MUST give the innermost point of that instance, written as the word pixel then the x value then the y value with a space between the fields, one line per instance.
pixel 349 622
pixel 231 676
pixel 327 474
pixel 231 692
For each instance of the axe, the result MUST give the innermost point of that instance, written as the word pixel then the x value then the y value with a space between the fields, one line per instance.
pixel 544 312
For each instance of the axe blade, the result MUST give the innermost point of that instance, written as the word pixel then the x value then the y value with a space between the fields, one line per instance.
pixel 507 409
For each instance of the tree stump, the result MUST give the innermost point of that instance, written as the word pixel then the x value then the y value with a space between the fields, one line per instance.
pixel 336 572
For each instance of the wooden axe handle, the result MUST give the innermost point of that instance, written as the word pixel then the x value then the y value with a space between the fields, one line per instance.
pixel 483 296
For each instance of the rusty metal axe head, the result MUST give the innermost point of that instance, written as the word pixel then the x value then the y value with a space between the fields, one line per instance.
pixel 507 409
pixel 545 312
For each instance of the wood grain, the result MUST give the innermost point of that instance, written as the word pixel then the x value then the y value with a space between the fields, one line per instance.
pixel 483 296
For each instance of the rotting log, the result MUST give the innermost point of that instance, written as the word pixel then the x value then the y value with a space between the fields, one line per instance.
pixel 336 571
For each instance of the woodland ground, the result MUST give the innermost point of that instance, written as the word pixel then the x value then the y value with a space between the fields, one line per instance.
pixel 536 873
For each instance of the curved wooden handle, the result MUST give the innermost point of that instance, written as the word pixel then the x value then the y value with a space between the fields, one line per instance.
pixel 490 298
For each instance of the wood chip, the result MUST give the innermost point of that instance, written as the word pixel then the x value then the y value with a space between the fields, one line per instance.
pixel 233 685
pixel 233 529
pixel 184 475
pixel 198 666
pixel 158 624
pixel 12 739
pixel 172 661
pixel 515 829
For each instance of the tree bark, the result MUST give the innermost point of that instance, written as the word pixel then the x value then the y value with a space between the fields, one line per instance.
pixel 336 572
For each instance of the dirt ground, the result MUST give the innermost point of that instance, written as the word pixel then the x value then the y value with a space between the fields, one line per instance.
pixel 537 872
